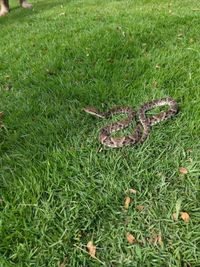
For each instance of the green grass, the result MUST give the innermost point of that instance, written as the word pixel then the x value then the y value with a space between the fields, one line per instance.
pixel 58 189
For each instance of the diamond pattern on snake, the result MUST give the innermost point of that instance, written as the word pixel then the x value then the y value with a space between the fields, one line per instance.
pixel 142 129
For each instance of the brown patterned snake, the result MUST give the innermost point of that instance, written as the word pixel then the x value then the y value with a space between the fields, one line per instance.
pixel 142 129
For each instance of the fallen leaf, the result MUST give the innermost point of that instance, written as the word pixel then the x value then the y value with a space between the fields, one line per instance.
pixel 130 238
pixel 91 249
pixel 185 216
pixel 183 170
pixel 157 66
pixel 139 207
pixel 127 202
pixel 174 216
pixel 132 191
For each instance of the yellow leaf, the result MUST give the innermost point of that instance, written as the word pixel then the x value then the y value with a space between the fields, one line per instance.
pixel 183 170
pixel 132 191
pixel 139 207
pixel 185 216
pixel 127 202
pixel 130 238
pixel 91 249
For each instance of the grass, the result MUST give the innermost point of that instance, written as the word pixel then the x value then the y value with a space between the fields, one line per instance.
pixel 58 188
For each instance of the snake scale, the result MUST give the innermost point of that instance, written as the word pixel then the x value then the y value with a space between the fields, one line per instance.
pixel 143 126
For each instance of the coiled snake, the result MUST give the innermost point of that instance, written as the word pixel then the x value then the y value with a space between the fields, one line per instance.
pixel 142 128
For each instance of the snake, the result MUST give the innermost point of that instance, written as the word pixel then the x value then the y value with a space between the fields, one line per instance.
pixel 143 125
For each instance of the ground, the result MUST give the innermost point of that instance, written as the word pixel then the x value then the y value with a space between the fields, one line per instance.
pixel 59 188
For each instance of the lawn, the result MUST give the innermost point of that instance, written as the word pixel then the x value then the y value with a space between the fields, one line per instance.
pixel 59 187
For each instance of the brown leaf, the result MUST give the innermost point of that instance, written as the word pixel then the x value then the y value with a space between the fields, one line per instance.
pixel 185 216
pixel 130 238
pixel 127 202
pixel 183 170
pixel 174 216
pixel 91 249
pixel 139 207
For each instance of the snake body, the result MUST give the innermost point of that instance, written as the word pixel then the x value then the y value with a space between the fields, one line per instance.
pixel 142 128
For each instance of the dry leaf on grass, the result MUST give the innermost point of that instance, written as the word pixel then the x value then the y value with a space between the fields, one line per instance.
pixel 183 170
pixel 175 216
pixel 139 207
pixel 130 238
pixel 91 249
pixel 185 216
pixel 131 191
pixel 127 202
